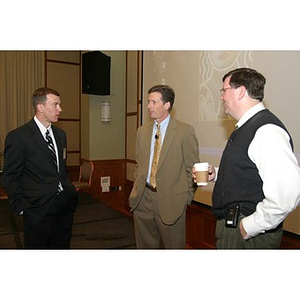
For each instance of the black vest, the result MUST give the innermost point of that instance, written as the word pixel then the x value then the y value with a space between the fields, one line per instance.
pixel 238 179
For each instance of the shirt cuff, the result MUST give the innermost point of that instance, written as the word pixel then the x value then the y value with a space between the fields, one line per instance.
pixel 216 174
pixel 250 228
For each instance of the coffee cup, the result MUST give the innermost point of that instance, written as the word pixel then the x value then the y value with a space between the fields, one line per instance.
pixel 201 170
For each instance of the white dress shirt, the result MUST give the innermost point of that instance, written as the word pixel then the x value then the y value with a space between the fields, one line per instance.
pixel 271 152
pixel 43 130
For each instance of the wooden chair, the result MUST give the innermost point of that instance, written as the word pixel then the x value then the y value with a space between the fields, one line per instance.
pixel 85 177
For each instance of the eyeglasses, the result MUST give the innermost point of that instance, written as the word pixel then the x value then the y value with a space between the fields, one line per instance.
pixel 222 91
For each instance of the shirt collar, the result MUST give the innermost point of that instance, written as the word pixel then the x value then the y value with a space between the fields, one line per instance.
pixel 250 113
pixel 42 128
pixel 163 124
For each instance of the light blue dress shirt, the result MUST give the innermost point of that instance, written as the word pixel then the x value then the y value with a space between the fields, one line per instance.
pixel 163 128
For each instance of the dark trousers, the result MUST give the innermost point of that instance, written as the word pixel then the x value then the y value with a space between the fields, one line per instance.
pixel 151 232
pixel 231 238
pixel 53 231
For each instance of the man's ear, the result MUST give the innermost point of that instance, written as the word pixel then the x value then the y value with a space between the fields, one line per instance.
pixel 242 92
pixel 168 105
pixel 40 107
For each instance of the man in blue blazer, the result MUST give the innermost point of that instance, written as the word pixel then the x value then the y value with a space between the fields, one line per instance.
pixel 36 179
pixel 159 211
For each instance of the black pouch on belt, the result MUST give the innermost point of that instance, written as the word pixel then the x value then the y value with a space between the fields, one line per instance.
pixel 232 215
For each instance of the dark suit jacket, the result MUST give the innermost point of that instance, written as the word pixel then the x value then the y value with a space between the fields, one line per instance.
pixel 175 186
pixel 30 177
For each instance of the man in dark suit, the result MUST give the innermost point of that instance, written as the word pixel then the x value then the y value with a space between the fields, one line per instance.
pixel 35 176
pixel 159 206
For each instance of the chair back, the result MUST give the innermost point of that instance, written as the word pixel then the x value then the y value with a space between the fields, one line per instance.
pixel 86 172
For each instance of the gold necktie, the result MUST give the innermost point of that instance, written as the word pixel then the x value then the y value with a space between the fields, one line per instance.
pixel 155 156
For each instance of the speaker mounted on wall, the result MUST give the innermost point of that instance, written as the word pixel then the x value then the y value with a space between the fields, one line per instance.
pixel 96 73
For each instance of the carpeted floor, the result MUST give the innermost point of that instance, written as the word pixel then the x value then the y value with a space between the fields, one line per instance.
pixel 96 226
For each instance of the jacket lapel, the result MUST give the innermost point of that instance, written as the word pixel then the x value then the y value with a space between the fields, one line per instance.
pixel 59 146
pixel 147 140
pixel 39 139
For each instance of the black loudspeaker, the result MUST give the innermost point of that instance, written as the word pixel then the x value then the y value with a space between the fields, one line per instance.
pixel 95 73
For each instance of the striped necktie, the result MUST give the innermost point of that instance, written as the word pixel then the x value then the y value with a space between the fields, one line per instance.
pixel 51 147
pixel 156 154
pixel 53 152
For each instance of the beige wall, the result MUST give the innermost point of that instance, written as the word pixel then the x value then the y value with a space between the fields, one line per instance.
pixel 105 140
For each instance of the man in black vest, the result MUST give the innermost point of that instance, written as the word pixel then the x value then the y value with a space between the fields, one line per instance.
pixel 258 181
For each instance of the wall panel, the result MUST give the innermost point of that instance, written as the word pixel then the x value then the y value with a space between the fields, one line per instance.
pixel 63 69
pixel 65 79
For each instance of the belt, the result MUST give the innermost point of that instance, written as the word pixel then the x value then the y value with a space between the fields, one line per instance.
pixel 243 215
pixel 244 210
pixel 150 187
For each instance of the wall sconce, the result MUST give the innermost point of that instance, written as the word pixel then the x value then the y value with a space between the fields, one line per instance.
pixel 105 111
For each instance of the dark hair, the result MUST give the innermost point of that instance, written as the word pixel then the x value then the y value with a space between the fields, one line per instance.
pixel 40 95
pixel 168 94
pixel 253 81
